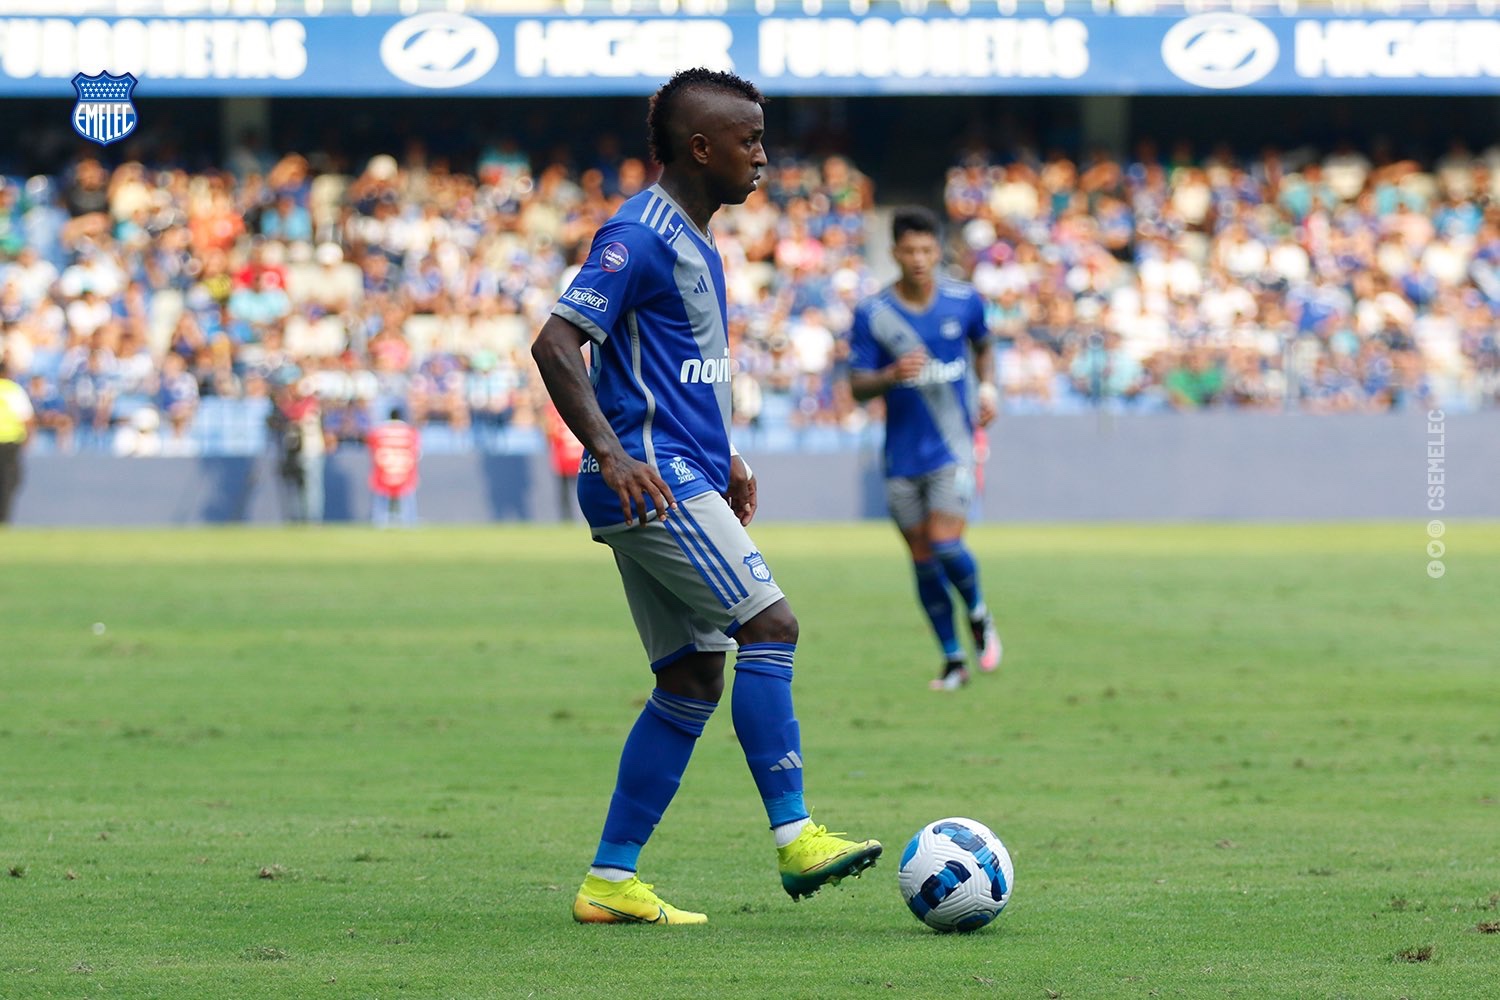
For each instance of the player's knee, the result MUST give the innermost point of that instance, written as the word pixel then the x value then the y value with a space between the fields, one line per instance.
pixel 698 675
pixel 775 624
pixel 706 687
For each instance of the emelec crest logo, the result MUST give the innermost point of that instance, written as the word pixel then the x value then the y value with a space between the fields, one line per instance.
pixel 105 112
pixel 758 567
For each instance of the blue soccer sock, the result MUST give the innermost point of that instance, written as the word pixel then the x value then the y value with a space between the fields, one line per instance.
pixel 932 589
pixel 651 765
pixel 963 572
pixel 761 704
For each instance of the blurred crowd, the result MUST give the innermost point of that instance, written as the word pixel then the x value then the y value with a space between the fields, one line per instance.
pixel 132 298
pixel 1327 282
pixel 135 299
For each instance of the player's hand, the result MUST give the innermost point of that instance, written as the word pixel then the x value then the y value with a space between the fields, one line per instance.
pixel 639 487
pixel 989 403
pixel 908 366
pixel 741 495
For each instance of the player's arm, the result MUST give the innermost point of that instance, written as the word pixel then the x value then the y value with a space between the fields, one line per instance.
pixel 558 351
pixel 742 488
pixel 868 378
pixel 869 384
pixel 984 370
pixel 984 366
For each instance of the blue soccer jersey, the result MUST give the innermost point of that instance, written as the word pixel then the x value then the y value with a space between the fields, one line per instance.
pixel 651 297
pixel 929 420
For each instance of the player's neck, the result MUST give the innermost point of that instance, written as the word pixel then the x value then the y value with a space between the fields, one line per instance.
pixel 917 294
pixel 691 197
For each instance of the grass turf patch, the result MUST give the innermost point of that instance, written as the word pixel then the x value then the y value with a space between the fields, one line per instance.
pixel 1228 761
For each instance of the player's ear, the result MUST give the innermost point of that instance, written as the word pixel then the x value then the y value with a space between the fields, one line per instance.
pixel 698 148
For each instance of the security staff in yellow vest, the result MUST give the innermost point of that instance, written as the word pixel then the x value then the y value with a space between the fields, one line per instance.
pixel 16 420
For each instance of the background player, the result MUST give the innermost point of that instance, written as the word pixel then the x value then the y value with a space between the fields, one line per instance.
pixel 921 342
pixel 652 409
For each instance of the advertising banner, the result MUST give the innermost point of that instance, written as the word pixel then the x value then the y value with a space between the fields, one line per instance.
pixel 462 55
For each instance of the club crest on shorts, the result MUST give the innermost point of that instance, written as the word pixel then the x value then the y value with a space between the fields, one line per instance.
pixel 104 112
pixel 758 567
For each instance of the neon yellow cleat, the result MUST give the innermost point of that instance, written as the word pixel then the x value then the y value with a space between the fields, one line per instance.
pixel 600 901
pixel 817 858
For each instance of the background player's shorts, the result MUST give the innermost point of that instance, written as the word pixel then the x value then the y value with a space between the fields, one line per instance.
pixel 691 580
pixel 911 498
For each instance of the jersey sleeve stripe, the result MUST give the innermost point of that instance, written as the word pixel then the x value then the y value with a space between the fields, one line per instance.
pixel 595 332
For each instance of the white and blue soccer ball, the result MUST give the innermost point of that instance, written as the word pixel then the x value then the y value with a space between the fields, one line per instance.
pixel 956 875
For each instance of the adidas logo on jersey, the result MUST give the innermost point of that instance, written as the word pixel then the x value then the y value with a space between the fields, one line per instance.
pixel 707 370
pixel 702 285
pixel 790 762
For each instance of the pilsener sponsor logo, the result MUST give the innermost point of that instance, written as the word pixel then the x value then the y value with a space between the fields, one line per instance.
pixel 588 298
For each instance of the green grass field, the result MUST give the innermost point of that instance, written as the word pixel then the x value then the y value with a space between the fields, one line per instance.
pixel 1228 762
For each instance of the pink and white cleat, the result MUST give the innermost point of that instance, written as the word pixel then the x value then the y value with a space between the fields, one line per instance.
pixel 987 642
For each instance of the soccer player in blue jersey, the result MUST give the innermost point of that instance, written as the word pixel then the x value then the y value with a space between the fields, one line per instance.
pixel 922 343
pixel 661 485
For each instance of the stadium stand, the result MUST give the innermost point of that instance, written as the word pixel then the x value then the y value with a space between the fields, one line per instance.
pixel 154 310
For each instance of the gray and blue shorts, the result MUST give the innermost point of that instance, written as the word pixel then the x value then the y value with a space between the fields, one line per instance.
pixel 949 490
pixel 691 580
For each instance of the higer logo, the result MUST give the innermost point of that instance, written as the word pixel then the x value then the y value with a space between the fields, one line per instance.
pixel 1220 51
pixel 707 370
pixel 439 50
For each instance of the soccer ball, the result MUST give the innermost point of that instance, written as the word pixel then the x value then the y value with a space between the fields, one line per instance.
pixel 956 875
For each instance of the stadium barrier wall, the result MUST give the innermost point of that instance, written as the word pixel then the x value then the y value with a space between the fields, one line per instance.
pixel 1207 467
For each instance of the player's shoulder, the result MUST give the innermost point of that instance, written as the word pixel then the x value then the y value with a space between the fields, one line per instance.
pixel 648 220
pixel 953 288
pixel 875 303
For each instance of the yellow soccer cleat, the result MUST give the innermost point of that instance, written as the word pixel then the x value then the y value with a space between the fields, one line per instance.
pixel 817 858
pixel 600 901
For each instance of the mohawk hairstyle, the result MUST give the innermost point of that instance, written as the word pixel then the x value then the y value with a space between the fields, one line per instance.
pixel 665 101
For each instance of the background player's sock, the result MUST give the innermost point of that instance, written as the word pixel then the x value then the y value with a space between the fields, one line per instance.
pixel 962 571
pixel 932 589
pixel 651 765
pixel 761 705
